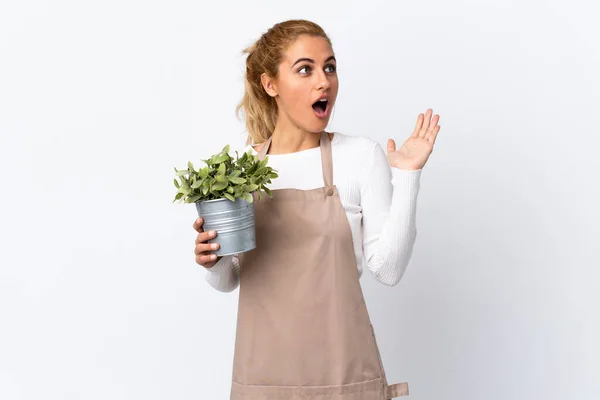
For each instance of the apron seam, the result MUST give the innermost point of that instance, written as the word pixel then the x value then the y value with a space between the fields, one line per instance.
pixel 310 386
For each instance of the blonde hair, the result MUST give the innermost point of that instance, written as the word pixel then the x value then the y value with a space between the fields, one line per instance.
pixel 264 56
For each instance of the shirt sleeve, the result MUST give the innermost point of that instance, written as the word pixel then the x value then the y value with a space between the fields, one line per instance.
pixel 224 276
pixel 389 205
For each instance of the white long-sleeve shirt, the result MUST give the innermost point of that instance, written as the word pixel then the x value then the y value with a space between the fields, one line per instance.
pixel 380 202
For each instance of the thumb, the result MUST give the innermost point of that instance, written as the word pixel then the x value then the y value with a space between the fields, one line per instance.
pixel 391 145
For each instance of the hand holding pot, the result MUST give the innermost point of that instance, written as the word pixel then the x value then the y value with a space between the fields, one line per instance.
pixel 203 250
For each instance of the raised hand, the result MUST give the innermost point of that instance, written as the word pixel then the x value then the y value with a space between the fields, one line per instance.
pixel 415 152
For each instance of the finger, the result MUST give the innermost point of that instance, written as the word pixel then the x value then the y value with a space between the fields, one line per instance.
pixel 434 122
pixel 426 123
pixel 433 135
pixel 205 249
pixel 198 225
pixel 205 236
pixel 391 145
pixel 418 126
pixel 206 260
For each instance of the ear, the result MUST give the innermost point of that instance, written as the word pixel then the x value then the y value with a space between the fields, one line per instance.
pixel 269 84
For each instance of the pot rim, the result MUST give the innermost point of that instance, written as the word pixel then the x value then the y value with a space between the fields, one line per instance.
pixel 220 199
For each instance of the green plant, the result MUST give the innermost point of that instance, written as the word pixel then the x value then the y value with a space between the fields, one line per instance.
pixel 224 177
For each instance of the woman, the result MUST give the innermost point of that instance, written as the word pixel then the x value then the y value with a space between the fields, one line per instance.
pixel 340 203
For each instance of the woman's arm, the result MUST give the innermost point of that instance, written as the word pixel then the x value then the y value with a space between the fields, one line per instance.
pixel 225 274
pixel 389 205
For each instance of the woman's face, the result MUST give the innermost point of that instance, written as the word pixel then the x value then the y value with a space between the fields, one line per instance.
pixel 307 85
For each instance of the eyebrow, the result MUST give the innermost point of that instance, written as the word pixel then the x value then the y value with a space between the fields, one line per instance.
pixel 310 60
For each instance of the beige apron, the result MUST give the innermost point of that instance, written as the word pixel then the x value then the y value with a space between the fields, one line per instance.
pixel 303 330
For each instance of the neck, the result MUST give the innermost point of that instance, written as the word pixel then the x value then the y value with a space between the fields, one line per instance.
pixel 290 139
pixel 283 143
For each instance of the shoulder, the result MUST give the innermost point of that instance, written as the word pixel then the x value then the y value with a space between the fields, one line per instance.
pixel 356 141
pixel 359 156
pixel 356 145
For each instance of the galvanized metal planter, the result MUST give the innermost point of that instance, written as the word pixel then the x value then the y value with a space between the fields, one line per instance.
pixel 233 222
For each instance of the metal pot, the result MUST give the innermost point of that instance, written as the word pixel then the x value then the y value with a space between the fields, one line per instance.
pixel 233 222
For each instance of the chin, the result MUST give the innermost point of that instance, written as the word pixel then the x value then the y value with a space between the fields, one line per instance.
pixel 311 123
pixel 318 126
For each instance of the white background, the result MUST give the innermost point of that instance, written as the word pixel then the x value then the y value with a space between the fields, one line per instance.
pixel 100 297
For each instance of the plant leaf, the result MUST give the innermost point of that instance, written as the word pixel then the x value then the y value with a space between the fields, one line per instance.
pixel 194 198
pixel 221 159
pixel 230 197
pixel 237 181
pixel 260 171
pixel 221 178
pixel 222 170
pixel 220 185
pixel 248 197
pixel 250 170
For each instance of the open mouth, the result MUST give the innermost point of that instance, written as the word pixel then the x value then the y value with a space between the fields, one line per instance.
pixel 321 108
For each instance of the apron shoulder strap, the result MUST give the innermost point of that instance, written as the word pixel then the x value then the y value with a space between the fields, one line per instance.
pixel 326 160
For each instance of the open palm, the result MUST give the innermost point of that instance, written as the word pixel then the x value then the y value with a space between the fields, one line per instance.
pixel 415 152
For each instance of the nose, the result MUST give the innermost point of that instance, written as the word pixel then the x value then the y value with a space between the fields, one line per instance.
pixel 323 81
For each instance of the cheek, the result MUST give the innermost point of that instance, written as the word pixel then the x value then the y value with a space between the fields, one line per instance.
pixel 295 97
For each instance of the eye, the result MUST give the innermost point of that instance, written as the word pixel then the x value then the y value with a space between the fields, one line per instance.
pixel 306 67
pixel 330 68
